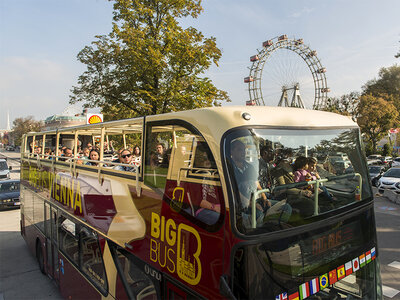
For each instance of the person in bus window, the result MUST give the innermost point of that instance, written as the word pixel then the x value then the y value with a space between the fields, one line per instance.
pixel 136 159
pixel 247 179
pixel 210 208
pixel 299 199
pixel 126 159
pixel 301 169
pixel 265 164
pixel 47 153
pixel 159 158
pixel 94 156
pixel 66 155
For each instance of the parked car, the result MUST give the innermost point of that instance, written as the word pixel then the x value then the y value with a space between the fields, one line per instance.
pixel 396 162
pixel 389 180
pixel 374 156
pixel 9 194
pixel 341 166
pixel 4 169
pixel 10 148
pixel 375 172
pixel 387 160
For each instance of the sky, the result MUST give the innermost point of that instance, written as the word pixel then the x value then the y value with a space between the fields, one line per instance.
pixel 39 42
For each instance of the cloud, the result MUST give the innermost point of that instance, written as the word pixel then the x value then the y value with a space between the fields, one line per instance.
pixel 302 12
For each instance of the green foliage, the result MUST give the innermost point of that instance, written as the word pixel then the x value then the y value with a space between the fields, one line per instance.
pixel 345 105
pixel 24 125
pixel 386 86
pixel 149 64
pixel 375 117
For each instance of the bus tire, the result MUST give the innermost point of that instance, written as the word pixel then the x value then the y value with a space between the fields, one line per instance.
pixel 39 256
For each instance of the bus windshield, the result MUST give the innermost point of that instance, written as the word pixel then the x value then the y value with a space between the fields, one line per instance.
pixel 282 178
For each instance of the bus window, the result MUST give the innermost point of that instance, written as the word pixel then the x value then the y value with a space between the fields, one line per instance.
pixel 91 258
pixel 69 241
pixel 137 284
pixel 158 153
pixel 181 166
pixel 293 178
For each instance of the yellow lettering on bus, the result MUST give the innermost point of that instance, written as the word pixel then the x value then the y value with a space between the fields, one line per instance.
pixel 70 198
pixel 63 192
pixel 155 225
pixel 51 184
pixel 57 187
pixel 171 234
pixel 78 197
pixel 171 260
pixel 153 250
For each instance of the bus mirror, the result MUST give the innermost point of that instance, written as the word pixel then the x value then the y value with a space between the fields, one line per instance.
pixel 224 288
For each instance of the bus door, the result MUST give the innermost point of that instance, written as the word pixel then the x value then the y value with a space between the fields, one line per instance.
pixel 51 242
pixel 180 165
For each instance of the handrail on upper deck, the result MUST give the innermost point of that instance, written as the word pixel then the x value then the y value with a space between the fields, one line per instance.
pixel 316 184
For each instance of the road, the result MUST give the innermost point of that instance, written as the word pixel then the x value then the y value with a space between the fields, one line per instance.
pixel 18 267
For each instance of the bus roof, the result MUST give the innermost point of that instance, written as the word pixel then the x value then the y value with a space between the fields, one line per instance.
pixel 220 119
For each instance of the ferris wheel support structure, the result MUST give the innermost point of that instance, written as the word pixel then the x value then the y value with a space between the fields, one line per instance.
pixel 309 57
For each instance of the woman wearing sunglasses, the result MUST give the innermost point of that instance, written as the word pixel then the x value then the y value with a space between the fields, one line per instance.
pixel 126 159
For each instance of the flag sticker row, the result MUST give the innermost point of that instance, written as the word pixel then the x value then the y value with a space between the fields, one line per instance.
pixel 319 283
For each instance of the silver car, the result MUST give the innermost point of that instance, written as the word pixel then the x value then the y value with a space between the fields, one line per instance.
pixel 389 180
pixel 4 169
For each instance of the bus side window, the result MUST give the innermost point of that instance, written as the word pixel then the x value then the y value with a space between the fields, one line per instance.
pixel 91 258
pixel 158 154
pixel 69 242
pixel 137 284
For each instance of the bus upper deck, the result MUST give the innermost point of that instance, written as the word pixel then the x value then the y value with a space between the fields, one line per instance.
pixel 263 199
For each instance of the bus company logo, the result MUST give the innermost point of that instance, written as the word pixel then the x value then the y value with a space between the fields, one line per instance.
pixel 176 248
pixel 177 198
pixel 94 118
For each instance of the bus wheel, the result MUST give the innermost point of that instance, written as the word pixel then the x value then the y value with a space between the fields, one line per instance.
pixel 39 256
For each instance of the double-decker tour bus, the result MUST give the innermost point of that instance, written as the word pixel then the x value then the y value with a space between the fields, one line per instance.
pixel 223 202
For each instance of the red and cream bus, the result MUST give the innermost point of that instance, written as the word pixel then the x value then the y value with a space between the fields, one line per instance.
pixel 220 207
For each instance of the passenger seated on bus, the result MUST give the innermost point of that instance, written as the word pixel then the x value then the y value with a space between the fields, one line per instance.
pixel 300 199
pixel 301 169
pixel 136 158
pixel 66 154
pixel 210 208
pixel 159 158
pixel 247 179
pixel 93 155
pixel 126 158
pixel 265 164
pixel 47 153
pixel 38 150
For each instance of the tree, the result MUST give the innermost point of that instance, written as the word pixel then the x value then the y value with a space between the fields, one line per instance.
pixel 345 105
pixel 24 125
pixel 149 64
pixel 386 86
pixel 376 117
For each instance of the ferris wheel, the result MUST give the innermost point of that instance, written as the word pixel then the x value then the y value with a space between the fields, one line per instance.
pixel 286 72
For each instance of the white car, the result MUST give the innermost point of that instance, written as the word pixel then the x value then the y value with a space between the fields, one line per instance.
pixel 4 169
pixel 396 162
pixel 389 180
